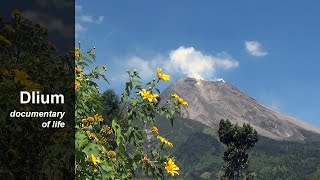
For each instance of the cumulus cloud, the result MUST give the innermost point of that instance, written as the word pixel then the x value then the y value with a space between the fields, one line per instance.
pixel 255 48
pixel 196 64
pixel 184 61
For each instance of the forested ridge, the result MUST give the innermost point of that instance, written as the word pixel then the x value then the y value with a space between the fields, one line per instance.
pixel 200 153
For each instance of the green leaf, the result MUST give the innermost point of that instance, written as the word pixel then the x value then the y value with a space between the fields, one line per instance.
pixel 80 140
pixel 157 90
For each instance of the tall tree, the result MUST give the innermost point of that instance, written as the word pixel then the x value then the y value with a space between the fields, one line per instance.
pixel 111 104
pixel 239 140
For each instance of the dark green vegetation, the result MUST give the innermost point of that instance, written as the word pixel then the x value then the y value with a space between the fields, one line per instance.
pixel 110 102
pixel 199 153
pixel 238 140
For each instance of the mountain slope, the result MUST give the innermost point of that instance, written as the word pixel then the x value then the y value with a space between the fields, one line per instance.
pixel 211 101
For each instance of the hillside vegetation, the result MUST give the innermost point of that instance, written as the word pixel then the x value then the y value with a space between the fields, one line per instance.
pixel 199 153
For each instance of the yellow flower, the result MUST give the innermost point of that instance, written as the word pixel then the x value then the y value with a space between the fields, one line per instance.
pixel 79 79
pixel 180 100
pixel 76 84
pixel 5 40
pixel 77 53
pixel 165 77
pixel 20 77
pixel 148 95
pixel 92 136
pixel 161 76
pixel 159 72
pixel 84 121
pixel 104 67
pixel 90 119
pixel 106 129
pixel 99 117
pixel 111 154
pixel 165 141
pixel 78 70
pixel 171 167
pixel 95 160
pixel 155 130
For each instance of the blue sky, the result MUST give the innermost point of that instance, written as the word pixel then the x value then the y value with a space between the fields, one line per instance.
pixel 270 49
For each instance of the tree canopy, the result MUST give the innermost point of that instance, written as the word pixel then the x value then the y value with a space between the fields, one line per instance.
pixel 239 140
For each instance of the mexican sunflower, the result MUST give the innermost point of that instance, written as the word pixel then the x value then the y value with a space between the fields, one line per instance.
pixel 161 76
pixel 180 100
pixel 165 141
pixel 155 130
pixel 95 160
pixel 148 95
pixel 111 154
pixel 90 119
pixel 171 167
pixel 76 84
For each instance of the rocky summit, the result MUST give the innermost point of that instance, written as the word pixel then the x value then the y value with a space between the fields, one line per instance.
pixel 211 101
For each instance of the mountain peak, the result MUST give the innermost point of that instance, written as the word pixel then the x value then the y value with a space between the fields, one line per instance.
pixel 211 101
pixel 196 81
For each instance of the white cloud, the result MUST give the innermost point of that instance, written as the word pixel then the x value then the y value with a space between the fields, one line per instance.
pixel 194 63
pixel 79 28
pixel 144 67
pixel 91 19
pixel 183 61
pixel 83 20
pixel 255 48
pixel 78 7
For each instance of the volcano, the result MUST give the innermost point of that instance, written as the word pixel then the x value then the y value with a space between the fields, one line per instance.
pixel 211 101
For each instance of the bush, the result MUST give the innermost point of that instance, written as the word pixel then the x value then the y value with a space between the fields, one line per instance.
pixel 130 143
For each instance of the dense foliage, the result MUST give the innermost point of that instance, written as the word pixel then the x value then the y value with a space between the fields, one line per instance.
pixel 30 62
pixel 110 104
pixel 238 140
